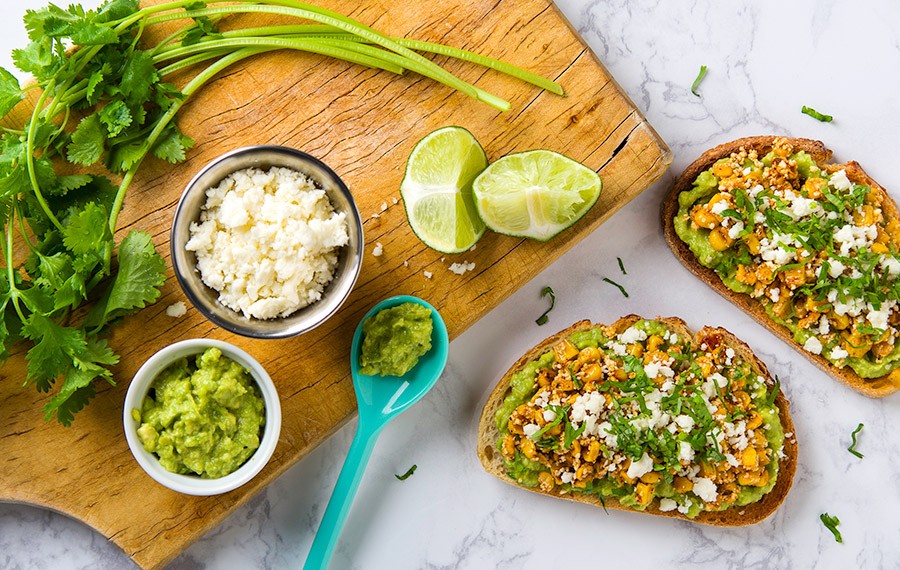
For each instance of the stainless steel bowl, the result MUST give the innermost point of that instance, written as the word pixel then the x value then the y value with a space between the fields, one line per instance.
pixel 205 299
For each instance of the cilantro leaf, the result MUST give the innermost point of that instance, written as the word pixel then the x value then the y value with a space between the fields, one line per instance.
pixel 54 346
pixel 124 157
pixel 10 92
pixel 116 117
pixel 112 10
pixel 138 77
pixel 86 147
pixel 86 230
pixel 141 274
pixel 172 145
pixel 35 57
pixel 65 184
pixel 92 94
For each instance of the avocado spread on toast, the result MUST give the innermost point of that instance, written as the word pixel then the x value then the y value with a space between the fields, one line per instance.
pixel 818 251
pixel 645 416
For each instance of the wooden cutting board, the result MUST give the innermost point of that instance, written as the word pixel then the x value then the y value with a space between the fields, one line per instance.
pixel 363 124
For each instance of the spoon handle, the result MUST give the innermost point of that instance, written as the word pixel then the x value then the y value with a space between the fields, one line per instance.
pixel 342 497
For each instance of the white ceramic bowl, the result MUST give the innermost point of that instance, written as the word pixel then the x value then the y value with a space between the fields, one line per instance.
pixel 192 484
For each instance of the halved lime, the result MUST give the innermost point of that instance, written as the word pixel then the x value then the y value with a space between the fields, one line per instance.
pixel 535 194
pixel 437 189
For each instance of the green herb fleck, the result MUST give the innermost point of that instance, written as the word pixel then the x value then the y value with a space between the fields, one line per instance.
pixel 697 81
pixel 544 293
pixel 852 448
pixel 408 473
pixel 621 266
pixel 770 398
pixel 561 413
pixel 572 433
pixel 816 115
pixel 614 284
pixel 831 524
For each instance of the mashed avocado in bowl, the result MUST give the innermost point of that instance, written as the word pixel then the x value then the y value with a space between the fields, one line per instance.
pixel 202 417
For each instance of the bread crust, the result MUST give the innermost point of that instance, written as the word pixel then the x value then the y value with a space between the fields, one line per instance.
pixel 492 460
pixel 873 387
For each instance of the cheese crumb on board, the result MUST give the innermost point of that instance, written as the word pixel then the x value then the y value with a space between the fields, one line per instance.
pixel 460 268
pixel 378 249
pixel 176 310
pixel 267 241
pixel 427 274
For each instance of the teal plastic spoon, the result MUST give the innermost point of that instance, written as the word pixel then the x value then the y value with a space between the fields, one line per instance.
pixel 379 399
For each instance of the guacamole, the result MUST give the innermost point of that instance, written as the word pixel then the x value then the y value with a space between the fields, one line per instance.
pixel 394 339
pixel 642 433
pixel 203 415
pixel 815 249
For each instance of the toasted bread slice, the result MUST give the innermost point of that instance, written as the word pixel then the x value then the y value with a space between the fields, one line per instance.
pixel 492 459
pixel 871 387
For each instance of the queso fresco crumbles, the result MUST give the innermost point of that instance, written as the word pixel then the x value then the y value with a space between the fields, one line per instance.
pixel 267 241
pixel 816 249
pixel 644 416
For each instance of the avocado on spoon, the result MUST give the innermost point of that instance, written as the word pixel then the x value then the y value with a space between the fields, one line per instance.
pixel 379 399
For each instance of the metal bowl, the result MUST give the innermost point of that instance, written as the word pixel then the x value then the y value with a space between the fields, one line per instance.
pixel 205 299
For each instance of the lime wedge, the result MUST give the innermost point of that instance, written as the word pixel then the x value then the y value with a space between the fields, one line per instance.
pixel 437 189
pixel 535 194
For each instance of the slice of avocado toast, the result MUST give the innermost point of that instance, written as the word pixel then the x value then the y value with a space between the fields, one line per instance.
pixel 643 415
pixel 810 249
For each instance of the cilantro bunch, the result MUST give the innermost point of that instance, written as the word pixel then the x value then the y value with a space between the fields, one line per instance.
pixel 103 107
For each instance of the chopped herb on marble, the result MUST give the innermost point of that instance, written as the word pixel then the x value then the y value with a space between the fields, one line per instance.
pixel 408 473
pixel 852 448
pixel 816 115
pixel 621 266
pixel 614 284
pixel 831 523
pixel 546 291
pixel 697 81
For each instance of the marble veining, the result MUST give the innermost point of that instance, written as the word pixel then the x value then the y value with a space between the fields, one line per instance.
pixel 766 60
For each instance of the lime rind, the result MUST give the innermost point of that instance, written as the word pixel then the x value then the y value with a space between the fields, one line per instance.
pixel 437 190
pixel 535 194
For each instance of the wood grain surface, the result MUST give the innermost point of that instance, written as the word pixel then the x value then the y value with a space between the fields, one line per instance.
pixel 363 123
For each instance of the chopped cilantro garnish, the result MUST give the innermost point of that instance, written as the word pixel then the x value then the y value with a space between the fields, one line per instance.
pixel 621 266
pixel 770 398
pixel 614 284
pixel 831 523
pixel 816 115
pixel 697 81
pixel 408 473
pixel 560 412
pixel 546 291
pixel 852 448
pixel 572 433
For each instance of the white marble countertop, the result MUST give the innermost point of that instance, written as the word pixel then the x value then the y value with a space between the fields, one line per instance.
pixel 766 60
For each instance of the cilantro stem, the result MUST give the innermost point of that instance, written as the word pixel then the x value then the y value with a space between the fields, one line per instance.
pixel 29 158
pixel 166 118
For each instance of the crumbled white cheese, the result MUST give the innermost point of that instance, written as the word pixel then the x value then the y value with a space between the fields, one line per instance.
pixel 705 489
pixel 530 429
pixel 395 201
pixel 378 249
pixel 549 415
pixel 836 268
pixel 267 241
pixel 383 206
pixel 666 505
pixel 685 422
pixel 838 353
pixel 879 318
pixel 460 268
pixel 567 477
pixel 839 180
pixel 640 467
pixel 719 207
pixel 736 230
pixel 824 325
pixel 618 348
pixel 176 309
pixel 813 345
pixel 427 274
pixel 632 335
pixel 685 452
